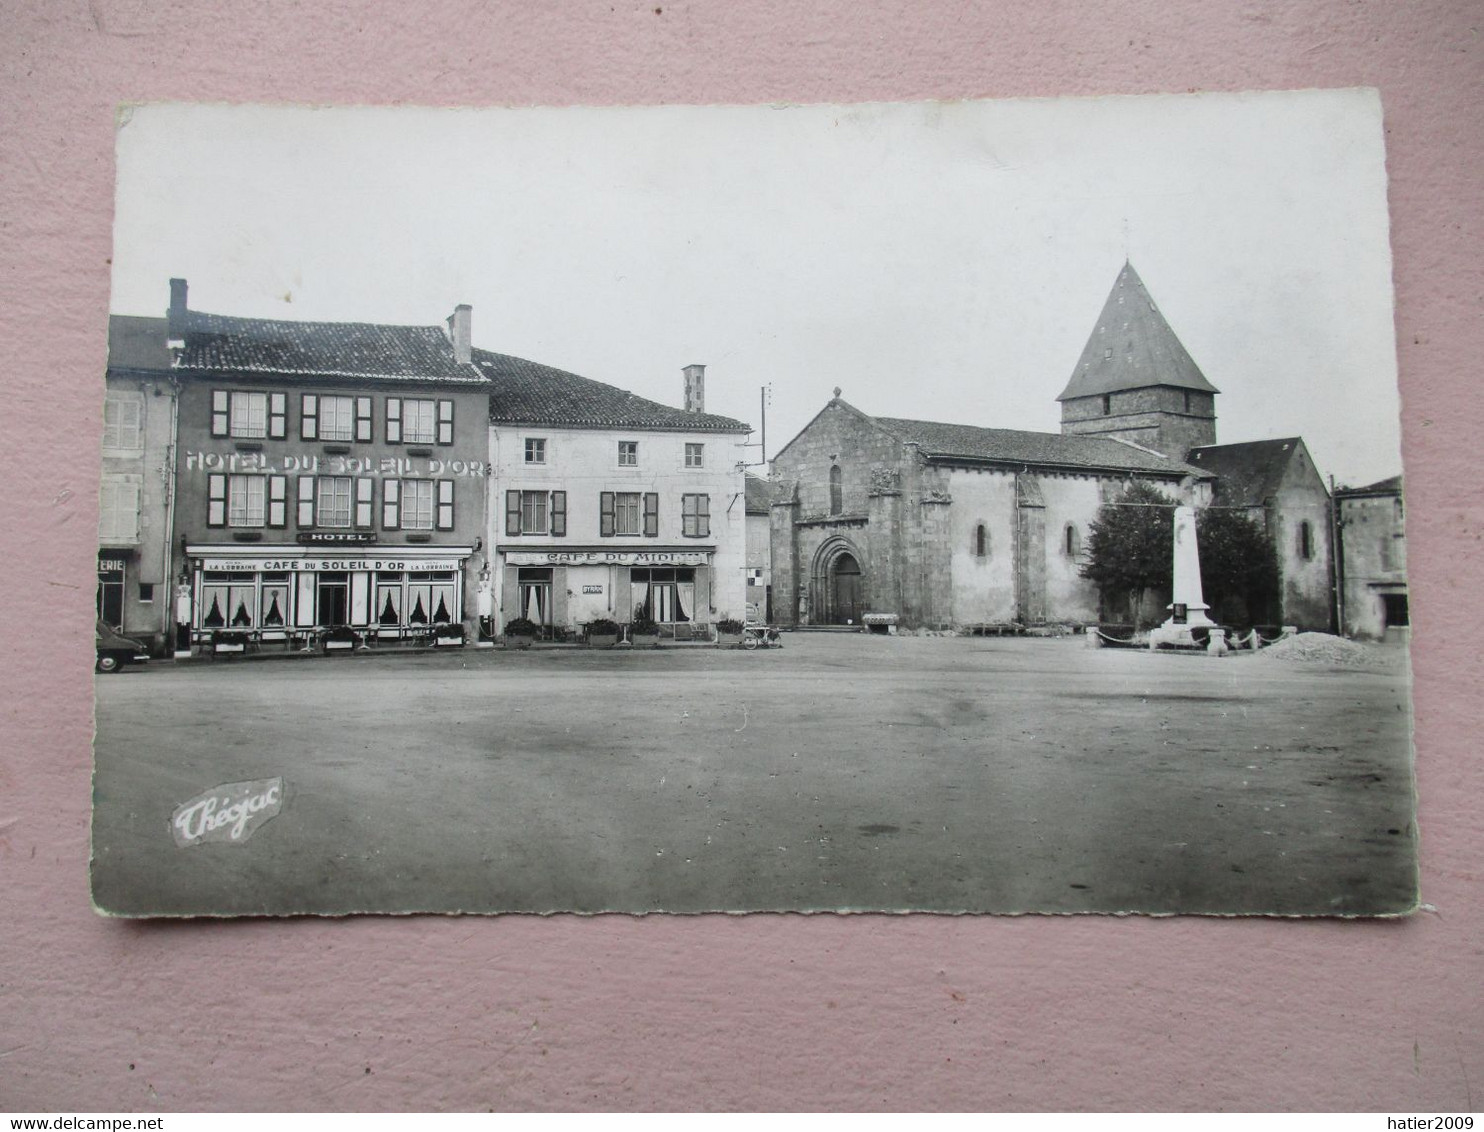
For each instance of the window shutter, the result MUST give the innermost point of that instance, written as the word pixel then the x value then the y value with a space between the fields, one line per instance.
pixel 278 490
pixel 445 422
pixel 306 501
pixel 363 419
pixel 391 500
pixel 394 420
pixel 651 514
pixel 605 514
pixel 219 424
pixel 559 514
pixel 445 505
pixel 703 516
pixel 309 417
pixel 512 512
pixel 216 501
pixel 278 411
pixel 129 506
pixel 364 502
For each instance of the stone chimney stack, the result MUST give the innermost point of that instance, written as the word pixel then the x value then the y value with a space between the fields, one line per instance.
pixel 175 321
pixel 461 333
pixel 695 389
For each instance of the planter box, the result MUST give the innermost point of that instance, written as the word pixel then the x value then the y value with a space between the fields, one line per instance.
pixel 646 640
pixel 729 640
pixel 517 642
pixel 336 644
pixel 605 641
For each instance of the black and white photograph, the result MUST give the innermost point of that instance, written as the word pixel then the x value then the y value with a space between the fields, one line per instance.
pixel 960 507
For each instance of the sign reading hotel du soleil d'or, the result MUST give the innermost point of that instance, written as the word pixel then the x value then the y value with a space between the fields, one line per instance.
pixel 313 465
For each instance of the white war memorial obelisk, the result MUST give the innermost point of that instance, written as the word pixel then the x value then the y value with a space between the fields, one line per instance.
pixel 1187 605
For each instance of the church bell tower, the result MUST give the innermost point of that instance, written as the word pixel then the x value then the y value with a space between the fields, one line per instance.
pixel 1136 382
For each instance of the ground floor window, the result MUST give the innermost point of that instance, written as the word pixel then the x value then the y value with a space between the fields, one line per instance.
pixel 1394 610
pixel 666 595
pixel 270 605
pixel 111 592
pixel 535 594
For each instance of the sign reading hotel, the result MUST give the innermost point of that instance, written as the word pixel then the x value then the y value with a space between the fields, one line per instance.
pixel 607 557
pixel 313 465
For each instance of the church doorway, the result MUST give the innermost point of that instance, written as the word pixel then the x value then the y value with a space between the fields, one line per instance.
pixel 847 596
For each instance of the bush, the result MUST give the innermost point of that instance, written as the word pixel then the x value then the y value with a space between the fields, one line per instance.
pixel 602 628
pixel 730 626
pixel 522 627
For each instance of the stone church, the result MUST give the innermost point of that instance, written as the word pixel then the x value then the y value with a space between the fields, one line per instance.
pixel 959 526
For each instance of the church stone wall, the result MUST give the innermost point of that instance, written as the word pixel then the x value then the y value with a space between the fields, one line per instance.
pixel 1155 417
pixel 983 588
pixel 1070 501
pixel 1306 580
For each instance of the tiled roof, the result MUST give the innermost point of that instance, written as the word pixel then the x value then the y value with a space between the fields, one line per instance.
pixel 1132 347
pixel 523 392
pixel 224 344
pixel 137 343
pixel 759 495
pixel 1391 486
pixel 1048 449
pixel 1248 474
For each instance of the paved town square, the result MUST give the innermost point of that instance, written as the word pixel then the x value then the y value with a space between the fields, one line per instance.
pixel 842 771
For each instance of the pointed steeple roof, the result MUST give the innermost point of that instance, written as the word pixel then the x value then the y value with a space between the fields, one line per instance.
pixel 1132 347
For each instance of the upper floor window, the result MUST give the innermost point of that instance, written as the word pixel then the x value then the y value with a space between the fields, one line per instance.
pixel 246 501
pixel 334 418
pixel 118 511
pixel 1071 540
pixel 414 505
pixel 332 507
pixel 981 541
pixel 628 453
pixel 695 516
pixel 122 419
pixel 536 513
pixel 628 513
pixel 695 455
pixel 247 415
pixel 837 490
pixel 1306 540
pixel 416 421
pixel 1107 404
pixel 535 450
pixel 1187 400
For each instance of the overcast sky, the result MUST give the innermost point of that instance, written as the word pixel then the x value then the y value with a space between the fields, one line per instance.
pixel 945 261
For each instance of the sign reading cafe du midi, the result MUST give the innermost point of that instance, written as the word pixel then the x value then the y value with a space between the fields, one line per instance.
pixel 309 464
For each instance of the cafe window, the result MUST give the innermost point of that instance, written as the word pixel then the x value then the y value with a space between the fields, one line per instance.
pixel 535 450
pixel 122 423
pixel 695 455
pixel 695 516
pixel 229 600
pixel 628 453
pixel 666 595
pixel 247 415
pixel 533 593
pixel 118 511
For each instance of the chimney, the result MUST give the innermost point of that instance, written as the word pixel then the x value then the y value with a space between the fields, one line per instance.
pixel 175 322
pixel 460 333
pixel 695 389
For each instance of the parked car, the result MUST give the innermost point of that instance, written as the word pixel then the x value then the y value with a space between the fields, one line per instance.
pixel 116 650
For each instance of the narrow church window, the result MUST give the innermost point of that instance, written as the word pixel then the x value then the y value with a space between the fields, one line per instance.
pixel 1107 403
pixel 1072 541
pixel 837 499
pixel 1306 540
pixel 981 541
pixel 1187 400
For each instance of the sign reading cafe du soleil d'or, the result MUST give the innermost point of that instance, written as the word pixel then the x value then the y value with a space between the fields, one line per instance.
pixel 313 465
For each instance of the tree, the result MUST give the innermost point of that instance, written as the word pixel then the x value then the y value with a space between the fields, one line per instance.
pixel 1239 566
pixel 1130 547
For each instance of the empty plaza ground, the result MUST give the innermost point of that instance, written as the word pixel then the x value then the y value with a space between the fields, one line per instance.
pixel 839 772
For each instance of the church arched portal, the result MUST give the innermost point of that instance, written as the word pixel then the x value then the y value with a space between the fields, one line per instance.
pixel 839 584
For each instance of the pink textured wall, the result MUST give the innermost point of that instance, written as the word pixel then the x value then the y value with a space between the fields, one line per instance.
pixel 717 1012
